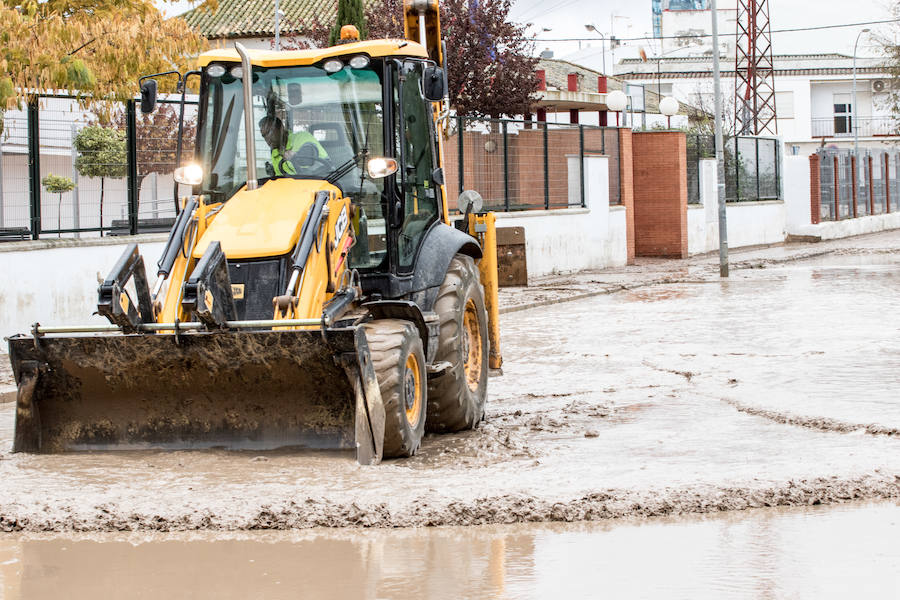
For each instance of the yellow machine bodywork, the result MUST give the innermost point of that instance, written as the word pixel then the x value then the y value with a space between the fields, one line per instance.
pixel 267 222
pixel 299 374
pixel 273 58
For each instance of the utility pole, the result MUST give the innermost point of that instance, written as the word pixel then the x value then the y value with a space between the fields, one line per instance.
pixel 854 123
pixel 277 27
pixel 754 82
pixel 720 149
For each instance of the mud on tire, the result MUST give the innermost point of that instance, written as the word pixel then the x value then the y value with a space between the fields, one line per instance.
pixel 456 397
pixel 399 362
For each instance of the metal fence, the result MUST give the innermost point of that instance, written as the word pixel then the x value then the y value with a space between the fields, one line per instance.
pixel 843 126
pixel 874 189
pixel 120 180
pixel 126 186
pixel 526 165
pixel 752 167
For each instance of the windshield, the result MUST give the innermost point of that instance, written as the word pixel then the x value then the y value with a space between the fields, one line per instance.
pixel 307 124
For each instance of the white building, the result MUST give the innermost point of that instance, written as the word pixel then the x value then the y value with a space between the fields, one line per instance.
pixel 813 95
pixel 688 29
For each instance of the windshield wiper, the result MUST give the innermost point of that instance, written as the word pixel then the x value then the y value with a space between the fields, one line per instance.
pixel 345 168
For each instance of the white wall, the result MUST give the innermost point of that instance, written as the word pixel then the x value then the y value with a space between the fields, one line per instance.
pixel 797 206
pixel 749 223
pixel 795 175
pixel 575 239
pixel 56 283
pixel 831 230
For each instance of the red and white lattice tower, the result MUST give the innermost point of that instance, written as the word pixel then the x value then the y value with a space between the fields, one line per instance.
pixel 754 87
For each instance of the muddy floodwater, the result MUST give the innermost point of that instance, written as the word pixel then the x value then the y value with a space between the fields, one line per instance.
pixel 777 387
pixel 800 553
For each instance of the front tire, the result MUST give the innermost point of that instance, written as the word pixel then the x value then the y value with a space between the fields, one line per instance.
pixel 399 362
pixel 456 398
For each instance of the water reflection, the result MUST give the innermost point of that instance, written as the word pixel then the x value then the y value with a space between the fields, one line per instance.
pixel 843 551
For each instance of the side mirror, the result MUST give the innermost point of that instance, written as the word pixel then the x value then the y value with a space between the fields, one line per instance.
pixel 469 201
pixel 148 96
pixel 434 84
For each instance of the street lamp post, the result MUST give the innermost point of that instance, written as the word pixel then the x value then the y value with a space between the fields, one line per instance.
pixel 592 27
pixel 616 101
pixel 668 106
pixel 854 122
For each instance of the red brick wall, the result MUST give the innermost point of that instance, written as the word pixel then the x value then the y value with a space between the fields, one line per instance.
pixel 660 194
pixel 815 189
pixel 483 168
pixel 626 177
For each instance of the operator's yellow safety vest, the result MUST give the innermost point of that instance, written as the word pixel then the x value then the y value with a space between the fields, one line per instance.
pixel 295 141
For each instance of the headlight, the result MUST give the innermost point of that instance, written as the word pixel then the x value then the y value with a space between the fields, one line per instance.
pixel 360 61
pixel 333 65
pixel 215 70
pixel 379 167
pixel 191 174
pixel 237 72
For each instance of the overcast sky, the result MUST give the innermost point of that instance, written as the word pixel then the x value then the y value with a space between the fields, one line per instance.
pixel 567 18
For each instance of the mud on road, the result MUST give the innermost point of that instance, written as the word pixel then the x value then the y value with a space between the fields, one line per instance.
pixel 676 394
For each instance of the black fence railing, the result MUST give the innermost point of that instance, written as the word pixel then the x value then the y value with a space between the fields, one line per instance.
pixel 67 170
pixel 526 165
pixel 752 167
pixel 859 184
pixel 114 169
pixel 843 126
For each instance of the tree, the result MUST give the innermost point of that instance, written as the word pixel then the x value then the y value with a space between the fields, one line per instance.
pixel 157 135
pixel 101 153
pixel 303 34
pixel 56 184
pixel 97 48
pixel 490 66
pixel 891 50
pixel 349 12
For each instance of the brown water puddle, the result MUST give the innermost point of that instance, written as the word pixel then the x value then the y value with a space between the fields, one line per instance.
pixel 825 552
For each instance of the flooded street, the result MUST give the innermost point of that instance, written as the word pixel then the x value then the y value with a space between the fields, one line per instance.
pixel 776 387
pixel 736 438
pixel 814 553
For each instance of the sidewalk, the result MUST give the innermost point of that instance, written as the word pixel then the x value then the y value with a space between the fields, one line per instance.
pixel 553 289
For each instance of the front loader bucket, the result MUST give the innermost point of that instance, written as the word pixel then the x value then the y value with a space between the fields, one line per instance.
pixel 233 389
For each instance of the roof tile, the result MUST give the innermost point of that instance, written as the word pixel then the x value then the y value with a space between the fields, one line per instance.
pixel 255 18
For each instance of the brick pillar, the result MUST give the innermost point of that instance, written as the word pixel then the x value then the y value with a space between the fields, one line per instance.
pixel 855 182
pixel 572 83
pixel 528 120
pixel 815 190
pixel 660 193
pixel 542 114
pixel 541 79
pixel 601 88
pixel 837 189
pixel 871 187
pixel 887 182
pixel 626 185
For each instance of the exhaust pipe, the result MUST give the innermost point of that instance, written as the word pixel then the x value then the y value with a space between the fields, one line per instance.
pixel 250 136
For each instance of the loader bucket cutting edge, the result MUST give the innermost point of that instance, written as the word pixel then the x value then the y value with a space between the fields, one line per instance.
pixel 239 390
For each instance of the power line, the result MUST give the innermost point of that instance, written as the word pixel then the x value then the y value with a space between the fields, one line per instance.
pixel 706 35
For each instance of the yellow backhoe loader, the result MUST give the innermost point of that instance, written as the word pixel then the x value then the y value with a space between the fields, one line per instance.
pixel 313 291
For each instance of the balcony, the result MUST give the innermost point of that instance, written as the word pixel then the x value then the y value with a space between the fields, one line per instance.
pixel 840 127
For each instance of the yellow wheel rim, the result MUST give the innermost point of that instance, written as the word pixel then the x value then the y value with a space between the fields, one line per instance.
pixel 471 340
pixel 412 391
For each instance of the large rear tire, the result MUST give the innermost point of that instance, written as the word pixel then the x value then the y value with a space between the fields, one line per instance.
pixel 456 397
pixel 399 362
